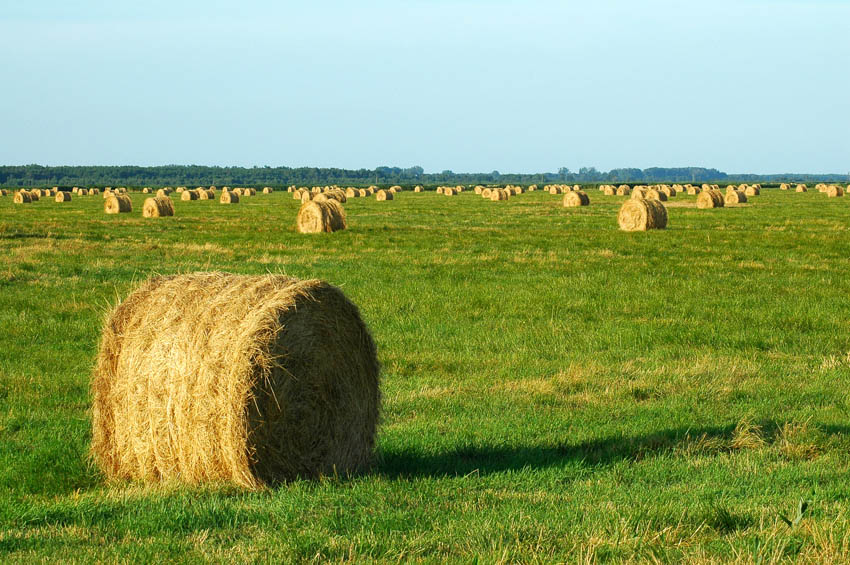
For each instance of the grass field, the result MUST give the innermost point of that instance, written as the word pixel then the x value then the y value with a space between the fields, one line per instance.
pixel 554 389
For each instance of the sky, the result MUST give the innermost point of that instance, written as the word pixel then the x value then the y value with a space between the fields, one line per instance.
pixel 744 86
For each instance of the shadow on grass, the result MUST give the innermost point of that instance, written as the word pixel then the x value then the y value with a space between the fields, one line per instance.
pixel 489 459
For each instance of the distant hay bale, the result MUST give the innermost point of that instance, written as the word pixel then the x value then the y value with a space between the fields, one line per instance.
pixel 555 190
pixel 532 188
pixel 351 193
pixel 735 197
pixel 639 192
pixel 63 196
pixel 237 191
pixel 228 197
pixel 486 192
pixel 157 206
pixel 251 380
pixel 118 204
pixel 307 196
pixel 693 190
pixel 499 194
pixel 395 188
pixel 204 194
pixel 296 194
pixel 440 190
pixel 609 190
pixel 834 191
pixel 34 196
pixel 710 199
pixel 4 192
pixel 655 194
pixel 623 190
pixel 418 189
pixel 801 188
pixel 784 186
pixel 371 190
pixel 449 191
pixel 337 195
pixel 22 197
pixel 518 190
pixel 362 193
pixel 187 195
pixel 252 192
pixel 668 191
pixel 382 195
pixel 752 191
pixel 321 197
pixel 146 190
pixel 180 189
pixel 267 190
pixel 576 198
pixel 640 214
pixel 319 216
pixel 163 193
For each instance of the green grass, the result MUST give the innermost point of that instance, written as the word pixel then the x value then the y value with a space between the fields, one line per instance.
pixel 554 389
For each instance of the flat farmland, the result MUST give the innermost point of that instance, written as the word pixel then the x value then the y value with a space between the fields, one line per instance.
pixel 554 389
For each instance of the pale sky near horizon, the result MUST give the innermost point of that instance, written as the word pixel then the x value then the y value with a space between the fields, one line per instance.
pixel 747 86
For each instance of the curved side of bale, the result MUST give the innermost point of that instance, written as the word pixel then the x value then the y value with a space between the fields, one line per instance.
pixel 22 197
pixel 351 193
pixel 499 194
pixel 710 199
pixel 735 197
pixel 801 188
pixel 833 191
pixel 34 196
pixel 251 380
pixel 319 216
pixel 449 192
pixel 640 214
pixel 639 192
pixel 118 204
pixel 228 197
pixel 418 189
pixel 752 191
pixel 609 191
pixel 187 195
pixel 307 196
pixel 624 191
pixel 361 193
pixel 267 190
pixel 576 198
pixel 63 197
pixel 337 195
pixel 157 206
pixel 382 195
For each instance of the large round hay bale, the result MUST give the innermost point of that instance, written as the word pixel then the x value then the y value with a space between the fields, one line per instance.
pixel 623 190
pixel 382 195
pixel 801 188
pixel 639 192
pixel 576 198
pixel 735 197
pixel 351 193
pixel 499 194
pixel 752 191
pixel 22 197
pixel 668 191
pixel 307 196
pixel 693 190
pixel 609 190
pixel 655 194
pixel 187 195
pixel 205 194
pixel 34 196
pixel 337 195
pixel 228 197
pixel 163 192
pixel 92 192
pixel 157 206
pixel 146 190
pixel 784 186
pixel 180 189
pixel 252 380
pixel 418 188
pixel 362 193
pixel 117 204
pixel 555 190
pixel 710 199
pixel 641 214
pixel 267 190
pixel 319 216
pixel 449 191
pixel 486 192
pixel 63 196
pixel 321 197
pixel 532 188
pixel 832 191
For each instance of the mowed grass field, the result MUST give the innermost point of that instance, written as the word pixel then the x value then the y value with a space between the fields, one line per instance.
pixel 554 390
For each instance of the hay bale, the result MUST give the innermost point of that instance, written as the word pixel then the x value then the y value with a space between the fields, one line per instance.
pixel 639 192
pixel 4 192
pixel 801 188
pixel 418 189
pixel 693 190
pixel 92 192
pixel 752 191
pixel 486 192
pixel 361 193
pixel 252 380
pixel 382 195
pixel 162 193
pixel 351 193
pixel 337 195
pixel 118 204
pixel 640 214
pixel 499 194
pixel 267 190
pixel 228 197
pixel 555 190
pixel 146 190
pixel 609 190
pixel 440 190
pixel 735 197
pixel 158 206
pixel 307 196
pixel 180 189
pixel 834 191
pixel 623 190
pixel 22 197
pixel 449 192
pixel 34 196
pixel 319 216
pixel 188 195
pixel 204 194
pixel 710 199
pixel 784 186
pixel 576 198
pixel 63 197
pixel 655 194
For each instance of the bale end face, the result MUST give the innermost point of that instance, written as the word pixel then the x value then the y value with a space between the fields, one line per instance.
pixel 247 379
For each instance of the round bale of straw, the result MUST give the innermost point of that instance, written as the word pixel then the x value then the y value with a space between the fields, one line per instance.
pixel 735 197
pixel 382 195
pixel 267 190
pixel 22 197
pixel 752 191
pixel 801 188
pixel 157 206
pixel 623 190
pixel 351 193
pixel 655 194
pixel 187 195
pixel 449 191
pixel 252 380
pixel 118 204
pixel 418 189
pixel 318 216
pixel 639 192
pixel 307 196
pixel 640 214
pixel 228 197
pixel 576 198
pixel 609 190
pixel 499 194
pixel 710 199
pixel 362 193
pixel 833 191
pixel 34 196
pixel 92 192
pixel 486 192
pixel 63 196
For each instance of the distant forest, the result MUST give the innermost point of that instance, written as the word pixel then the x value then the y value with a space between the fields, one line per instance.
pixel 193 175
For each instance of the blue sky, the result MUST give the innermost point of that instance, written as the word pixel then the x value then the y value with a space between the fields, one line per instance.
pixel 743 86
